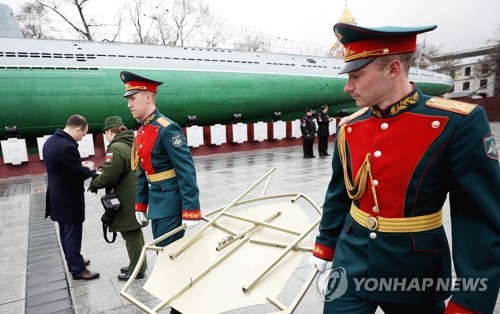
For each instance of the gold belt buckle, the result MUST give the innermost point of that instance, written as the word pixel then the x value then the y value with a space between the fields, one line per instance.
pixel 372 223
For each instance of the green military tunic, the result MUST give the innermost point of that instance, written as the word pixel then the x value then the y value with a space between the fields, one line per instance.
pixel 118 175
pixel 420 150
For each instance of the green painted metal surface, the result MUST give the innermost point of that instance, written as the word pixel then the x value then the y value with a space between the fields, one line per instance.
pixel 37 101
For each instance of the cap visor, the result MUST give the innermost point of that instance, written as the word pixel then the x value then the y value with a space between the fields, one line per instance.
pixel 131 92
pixel 355 65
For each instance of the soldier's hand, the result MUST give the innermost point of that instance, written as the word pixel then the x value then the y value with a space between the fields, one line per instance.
pixel 318 263
pixel 190 223
pixel 140 217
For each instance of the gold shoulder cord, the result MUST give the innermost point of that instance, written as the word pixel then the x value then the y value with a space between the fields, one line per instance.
pixel 134 156
pixel 357 188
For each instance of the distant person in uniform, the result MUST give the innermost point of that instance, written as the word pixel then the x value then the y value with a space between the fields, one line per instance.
pixel 65 201
pixel 323 121
pixel 117 177
pixel 308 129
pixel 395 162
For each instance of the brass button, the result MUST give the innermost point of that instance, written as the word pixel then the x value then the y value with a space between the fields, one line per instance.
pixel 372 223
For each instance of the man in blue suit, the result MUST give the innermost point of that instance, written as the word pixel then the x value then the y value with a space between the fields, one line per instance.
pixel 65 201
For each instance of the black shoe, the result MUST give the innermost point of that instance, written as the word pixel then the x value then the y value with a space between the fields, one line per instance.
pixel 126 276
pixel 86 262
pixel 307 157
pixel 124 269
pixel 326 154
pixel 312 156
pixel 321 155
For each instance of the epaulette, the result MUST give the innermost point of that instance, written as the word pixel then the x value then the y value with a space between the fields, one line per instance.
pixel 460 107
pixel 163 121
pixel 358 113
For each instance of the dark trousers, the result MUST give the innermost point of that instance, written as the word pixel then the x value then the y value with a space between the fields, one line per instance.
pixel 323 145
pixel 350 304
pixel 164 225
pixel 71 242
pixel 307 146
pixel 134 242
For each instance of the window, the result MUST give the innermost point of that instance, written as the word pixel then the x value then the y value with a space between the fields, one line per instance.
pixel 483 83
pixel 467 71
pixel 466 86
pixel 452 73
pixel 484 69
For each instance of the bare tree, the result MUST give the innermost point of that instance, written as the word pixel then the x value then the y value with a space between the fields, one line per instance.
pixel 85 30
pixel 493 59
pixel 32 18
pixel 249 42
pixel 188 16
pixel 213 34
pixel 143 20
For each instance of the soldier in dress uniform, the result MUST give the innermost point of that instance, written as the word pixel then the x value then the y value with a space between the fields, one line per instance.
pixel 395 162
pixel 323 130
pixel 167 187
pixel 308 129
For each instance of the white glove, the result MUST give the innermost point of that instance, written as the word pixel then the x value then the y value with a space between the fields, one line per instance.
pixel 140 217
pixel 318 263
pixel 190 223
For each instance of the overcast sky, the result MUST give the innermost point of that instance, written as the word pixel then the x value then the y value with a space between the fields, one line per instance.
pixel 462 24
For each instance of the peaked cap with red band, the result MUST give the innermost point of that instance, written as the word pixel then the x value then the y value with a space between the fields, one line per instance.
pixel 362 44
pixel 135 83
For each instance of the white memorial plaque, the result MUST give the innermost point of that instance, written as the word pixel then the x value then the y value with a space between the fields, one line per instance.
pixel 105 141
pixel 332 127
pixel 240 133
pixel 218 134
pixel 296 128
pixel 86 146
pixel 40 142
pixel 14 151
pixel 260 131
pixel 279 130
pixel 194 135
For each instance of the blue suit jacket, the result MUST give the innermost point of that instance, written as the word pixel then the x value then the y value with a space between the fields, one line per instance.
pixel 65 201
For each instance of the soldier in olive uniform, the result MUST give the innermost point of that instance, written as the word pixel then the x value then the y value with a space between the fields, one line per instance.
pixel 308 129
pixel 395 162
pixel 323 130
pixel 117 177
pixel 167 188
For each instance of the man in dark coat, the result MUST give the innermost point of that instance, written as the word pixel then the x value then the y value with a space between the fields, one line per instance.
pixel 323 130
pixel 65 202
pixel 395 163
pixel 308 129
